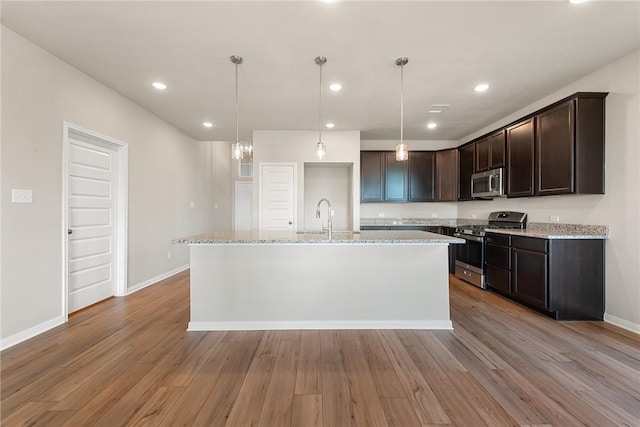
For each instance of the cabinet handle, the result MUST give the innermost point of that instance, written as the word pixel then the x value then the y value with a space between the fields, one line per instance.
pixel 466 273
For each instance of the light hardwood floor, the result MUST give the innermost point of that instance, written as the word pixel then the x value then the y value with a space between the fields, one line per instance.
pixel 129 361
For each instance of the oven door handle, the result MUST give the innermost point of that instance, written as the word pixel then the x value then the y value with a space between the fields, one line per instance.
pixel 469 237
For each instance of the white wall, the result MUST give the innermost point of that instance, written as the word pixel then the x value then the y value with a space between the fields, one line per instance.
pixel 423 145
pixel 299 147
pixel 167 171
pixel 619 207
pixel 333 182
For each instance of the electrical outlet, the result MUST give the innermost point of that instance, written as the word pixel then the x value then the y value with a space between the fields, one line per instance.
pixel 215 206
pixel 381 215
pixel 554 218
pixel 474 216
pixel 169 255
pixel 21 196
pixel 333 213
pixel 192 204
pixel 434 215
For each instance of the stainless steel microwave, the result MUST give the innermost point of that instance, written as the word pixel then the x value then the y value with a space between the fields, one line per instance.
pixel 488 184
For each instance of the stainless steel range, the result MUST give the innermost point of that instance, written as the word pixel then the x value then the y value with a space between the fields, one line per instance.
pixel 470 256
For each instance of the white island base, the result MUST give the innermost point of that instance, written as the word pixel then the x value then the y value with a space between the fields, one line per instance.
pixel 319 286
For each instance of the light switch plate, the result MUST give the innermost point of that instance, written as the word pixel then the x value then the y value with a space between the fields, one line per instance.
pixel 21 196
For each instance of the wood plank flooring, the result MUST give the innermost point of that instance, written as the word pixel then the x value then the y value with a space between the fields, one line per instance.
pixel 129 361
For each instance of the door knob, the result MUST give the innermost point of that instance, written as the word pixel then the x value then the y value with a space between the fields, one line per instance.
pixel 290 222
pixel 69 231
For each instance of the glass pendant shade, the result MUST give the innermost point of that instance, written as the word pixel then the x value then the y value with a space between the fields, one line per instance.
pixel 402 152
pixel 236 151
pixel 321 150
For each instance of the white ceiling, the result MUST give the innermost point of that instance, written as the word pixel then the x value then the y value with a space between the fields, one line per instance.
pixel 524 49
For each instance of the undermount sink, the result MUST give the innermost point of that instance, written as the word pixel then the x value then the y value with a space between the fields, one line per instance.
pixel 318 233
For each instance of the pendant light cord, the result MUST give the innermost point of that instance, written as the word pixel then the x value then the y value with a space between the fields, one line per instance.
pixel 401 102
pixel 320 107
pixel 237 103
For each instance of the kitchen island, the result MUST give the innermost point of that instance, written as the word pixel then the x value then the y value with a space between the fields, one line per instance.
pixel 285 280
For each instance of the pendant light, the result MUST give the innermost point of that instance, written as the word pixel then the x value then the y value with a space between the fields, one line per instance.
pixel 321 149
pixel 402 151
pixel 237 151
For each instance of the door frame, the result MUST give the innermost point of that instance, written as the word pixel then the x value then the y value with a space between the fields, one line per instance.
pixel 295 191
pixel 121 150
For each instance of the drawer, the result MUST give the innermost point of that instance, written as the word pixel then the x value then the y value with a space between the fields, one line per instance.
pixel 498 239
pixel 498 256
pixel 529 244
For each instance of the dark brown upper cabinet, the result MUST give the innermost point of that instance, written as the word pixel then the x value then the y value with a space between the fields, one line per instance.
pixel 421 176
pixel 520 159
pixel 570 146
pixel 372 176
pixel 395 178
pixel 446 186
pixel 382 178
pixel 466 157
pixel 490 152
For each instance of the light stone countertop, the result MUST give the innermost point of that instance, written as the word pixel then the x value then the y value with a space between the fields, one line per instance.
pixel 541 230
pixel 399 237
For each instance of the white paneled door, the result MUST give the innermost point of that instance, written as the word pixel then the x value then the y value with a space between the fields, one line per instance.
pixel 277 207
pixel 92 218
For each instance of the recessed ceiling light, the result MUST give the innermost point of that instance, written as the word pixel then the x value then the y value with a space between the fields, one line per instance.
pixel 432 125
pixel 336 87
pixel 576 1
pixel 159 85
pixel 434 111
pixel 481 87
pixel 330 125
pixel 207 124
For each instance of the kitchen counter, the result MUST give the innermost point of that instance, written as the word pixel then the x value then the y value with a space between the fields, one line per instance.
pixel 285 280
pixel 542 230
pixel 399 237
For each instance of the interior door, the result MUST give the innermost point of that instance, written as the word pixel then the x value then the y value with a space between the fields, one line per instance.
pixel 92 223
pixel 277 209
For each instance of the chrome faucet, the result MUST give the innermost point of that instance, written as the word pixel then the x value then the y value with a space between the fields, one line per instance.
pixel 329 227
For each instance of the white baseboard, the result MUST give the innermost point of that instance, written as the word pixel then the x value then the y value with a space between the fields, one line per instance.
pixel 31 332
pixel 262 326
pixel 156 279
pixel 621 323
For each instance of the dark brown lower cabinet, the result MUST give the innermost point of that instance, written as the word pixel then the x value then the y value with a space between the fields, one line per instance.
pixel 529 270
pixel 562 278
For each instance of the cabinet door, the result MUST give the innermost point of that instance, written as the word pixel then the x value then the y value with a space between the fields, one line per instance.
pixel 421 176
pixel 466 163
pixel 529 277
pixel 483 149
pixel 555 150
pixel 395 181
pixel 447 175
pixel 497 150
pixel 520 156
pixel 372 176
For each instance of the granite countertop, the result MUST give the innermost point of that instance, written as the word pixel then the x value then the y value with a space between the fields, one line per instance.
pixel 399 237
pixel 542 230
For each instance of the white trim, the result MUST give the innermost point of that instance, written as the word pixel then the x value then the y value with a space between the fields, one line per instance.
pixel 156 279
pixel 122 157
pixel 31 332
pixel 334 324
pixel 621 323
pixel 295 191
